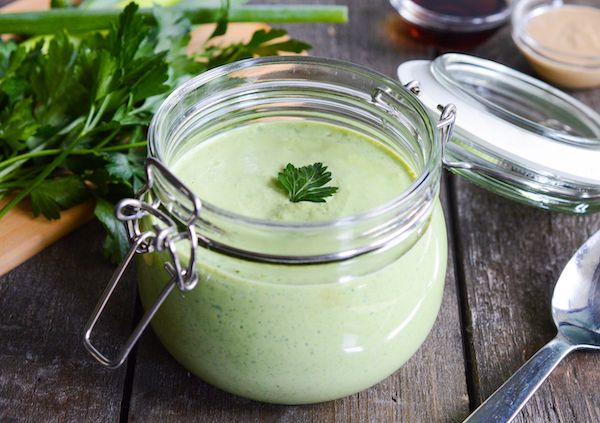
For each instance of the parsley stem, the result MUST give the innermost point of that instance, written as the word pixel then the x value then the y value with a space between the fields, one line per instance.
pixel 12 185
pixel 89 117
pixel 113 148
pixel 79 152
pixel 94 117
pixel 40 177
pixel 91 121
pixel 106 140
pixel 10 166
pixel 27 156
pixel 78 20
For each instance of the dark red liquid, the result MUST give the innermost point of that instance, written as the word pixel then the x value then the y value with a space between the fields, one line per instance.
pixel 406 32
pixel 463 8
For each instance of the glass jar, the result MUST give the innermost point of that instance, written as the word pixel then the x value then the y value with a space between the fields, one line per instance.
pixel 332 307
pixel 301 312
pixel 292 312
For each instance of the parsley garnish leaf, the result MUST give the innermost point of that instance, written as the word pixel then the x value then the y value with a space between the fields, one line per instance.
pixel 306 183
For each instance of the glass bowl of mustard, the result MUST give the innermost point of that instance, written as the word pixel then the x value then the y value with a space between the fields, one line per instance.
pixel 561 40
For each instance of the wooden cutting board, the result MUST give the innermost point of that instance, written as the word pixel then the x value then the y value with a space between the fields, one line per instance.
pixel 21 235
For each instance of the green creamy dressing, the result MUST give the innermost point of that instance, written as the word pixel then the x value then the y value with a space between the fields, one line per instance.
pixel 251 328
pixel 237 170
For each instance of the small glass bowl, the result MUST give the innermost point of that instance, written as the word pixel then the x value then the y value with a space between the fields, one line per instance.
pixel 457 24
pixel 565 69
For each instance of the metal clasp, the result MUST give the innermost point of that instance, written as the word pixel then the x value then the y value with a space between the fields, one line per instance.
pixel 447 118
pixel 446 127
pixel 446 122
pixel 413 86
pixel 165 234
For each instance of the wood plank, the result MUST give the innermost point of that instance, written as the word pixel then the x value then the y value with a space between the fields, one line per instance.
pixel 511 255
pixel 430 387
pixel 45 372
pixel 22 236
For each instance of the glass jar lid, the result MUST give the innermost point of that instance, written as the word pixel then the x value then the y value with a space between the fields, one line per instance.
pixel 514 134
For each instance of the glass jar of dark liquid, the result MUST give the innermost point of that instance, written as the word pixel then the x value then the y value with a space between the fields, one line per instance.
pixel 451 24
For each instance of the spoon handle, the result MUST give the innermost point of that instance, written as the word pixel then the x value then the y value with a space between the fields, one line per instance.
pixel 504 404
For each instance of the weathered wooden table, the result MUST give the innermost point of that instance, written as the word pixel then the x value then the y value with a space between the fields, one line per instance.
pixel 504 261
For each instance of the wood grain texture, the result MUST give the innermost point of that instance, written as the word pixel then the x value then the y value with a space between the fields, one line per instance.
pixel 22 236
pixel 45 372
pixel 431 387
pixel 510 256
pixel 23 5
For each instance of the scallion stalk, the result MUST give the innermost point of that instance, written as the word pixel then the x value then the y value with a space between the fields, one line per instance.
pixel 79 20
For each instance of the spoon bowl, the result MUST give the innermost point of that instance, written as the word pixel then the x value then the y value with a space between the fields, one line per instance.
pixel 576 314
pixel 576 299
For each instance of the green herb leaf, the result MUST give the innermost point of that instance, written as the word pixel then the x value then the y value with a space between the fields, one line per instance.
pixel 116 243
pixel 126 168
pixel 222 22
pixel 54 195
pixel 262 43
pixel 306 183
pixel 18 125
pixel 74 110
pixel 63 4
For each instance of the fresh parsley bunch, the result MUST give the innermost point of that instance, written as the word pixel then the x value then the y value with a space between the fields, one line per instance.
pixel 74 110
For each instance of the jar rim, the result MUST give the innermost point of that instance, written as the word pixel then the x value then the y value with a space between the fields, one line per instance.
pixel 427 176
pixel 419 15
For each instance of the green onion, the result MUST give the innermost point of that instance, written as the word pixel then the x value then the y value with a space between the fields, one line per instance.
pixel 78 20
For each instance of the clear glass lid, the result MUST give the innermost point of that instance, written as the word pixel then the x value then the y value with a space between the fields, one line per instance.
pixel 514 134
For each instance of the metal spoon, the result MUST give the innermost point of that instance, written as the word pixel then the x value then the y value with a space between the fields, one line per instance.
pixel 576 314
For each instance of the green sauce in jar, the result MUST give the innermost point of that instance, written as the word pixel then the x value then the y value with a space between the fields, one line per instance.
pixel 297 334
pixel 237 170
